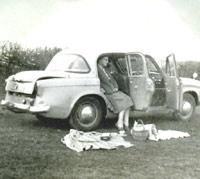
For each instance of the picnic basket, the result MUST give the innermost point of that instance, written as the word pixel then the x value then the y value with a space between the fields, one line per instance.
pixel 138 131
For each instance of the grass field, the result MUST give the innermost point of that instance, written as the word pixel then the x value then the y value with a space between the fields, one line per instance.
pixel 31 149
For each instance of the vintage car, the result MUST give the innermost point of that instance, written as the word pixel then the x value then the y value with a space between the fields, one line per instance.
pixel 69 88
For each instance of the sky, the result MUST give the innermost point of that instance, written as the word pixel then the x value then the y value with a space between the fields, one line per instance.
pixel 156 27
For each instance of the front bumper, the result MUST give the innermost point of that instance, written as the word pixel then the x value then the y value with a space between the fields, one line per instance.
pixel 24 107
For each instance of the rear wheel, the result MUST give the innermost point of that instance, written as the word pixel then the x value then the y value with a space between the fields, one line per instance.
pixel 188 108
pixel 87 114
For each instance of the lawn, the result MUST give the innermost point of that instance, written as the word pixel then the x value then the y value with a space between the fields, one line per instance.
pixel 32 149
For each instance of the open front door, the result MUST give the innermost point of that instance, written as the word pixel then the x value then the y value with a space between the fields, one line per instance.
pixel 173 84
pixel 140 85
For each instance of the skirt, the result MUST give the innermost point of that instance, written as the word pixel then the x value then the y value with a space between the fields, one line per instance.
pixel 119 101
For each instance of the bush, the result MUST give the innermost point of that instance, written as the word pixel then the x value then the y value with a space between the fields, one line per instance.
pixel 186 69
pixel 14 58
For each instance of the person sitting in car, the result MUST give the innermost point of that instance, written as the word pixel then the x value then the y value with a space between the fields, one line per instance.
pixel 119 100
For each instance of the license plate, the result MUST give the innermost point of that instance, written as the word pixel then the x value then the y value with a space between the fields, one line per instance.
pixel 16 87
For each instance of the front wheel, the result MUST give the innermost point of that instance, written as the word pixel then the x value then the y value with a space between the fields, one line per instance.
pixel 187 109
pixel 87 114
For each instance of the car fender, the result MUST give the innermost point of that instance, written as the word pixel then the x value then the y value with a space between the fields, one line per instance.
pixel 194 92
pixel 192 87
pixel 61 97
pixel 97 94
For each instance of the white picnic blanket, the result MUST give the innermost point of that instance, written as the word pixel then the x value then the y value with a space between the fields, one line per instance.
pixel 80 141
pixel 169 134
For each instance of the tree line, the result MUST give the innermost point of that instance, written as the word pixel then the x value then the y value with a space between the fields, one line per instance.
pixel 15 58
pixel 188 68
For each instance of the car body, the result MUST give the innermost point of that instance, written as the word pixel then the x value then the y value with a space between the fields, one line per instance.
pixel 69 87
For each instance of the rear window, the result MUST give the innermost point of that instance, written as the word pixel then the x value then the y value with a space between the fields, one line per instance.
pixel 69 63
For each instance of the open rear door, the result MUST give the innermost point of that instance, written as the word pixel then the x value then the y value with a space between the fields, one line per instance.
pixel 140 85
pixel 173 84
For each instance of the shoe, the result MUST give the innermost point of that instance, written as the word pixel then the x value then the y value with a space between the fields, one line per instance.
pixel 121 130
pixel 122 133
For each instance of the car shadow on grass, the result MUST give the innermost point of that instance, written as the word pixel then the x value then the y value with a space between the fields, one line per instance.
pixel 107 125
pixel 52 123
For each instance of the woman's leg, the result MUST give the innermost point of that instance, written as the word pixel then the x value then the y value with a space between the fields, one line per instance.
pixel 126 117
pixel 120 120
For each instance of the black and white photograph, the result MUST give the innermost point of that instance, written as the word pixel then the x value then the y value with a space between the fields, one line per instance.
pixel 104 89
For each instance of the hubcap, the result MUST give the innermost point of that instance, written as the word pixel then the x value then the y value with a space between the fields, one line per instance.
pixel 87 114
pixel 187 108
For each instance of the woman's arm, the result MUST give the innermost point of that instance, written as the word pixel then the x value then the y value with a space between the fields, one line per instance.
pixel 107 81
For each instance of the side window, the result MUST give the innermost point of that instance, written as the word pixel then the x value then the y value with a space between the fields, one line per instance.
pixel 136 64
pixel 121 62
pixel 151 67
pixel 170 68
pixel 154 73
pixel 78 64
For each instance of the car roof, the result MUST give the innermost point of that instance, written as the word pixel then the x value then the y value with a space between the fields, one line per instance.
pixel 88 53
